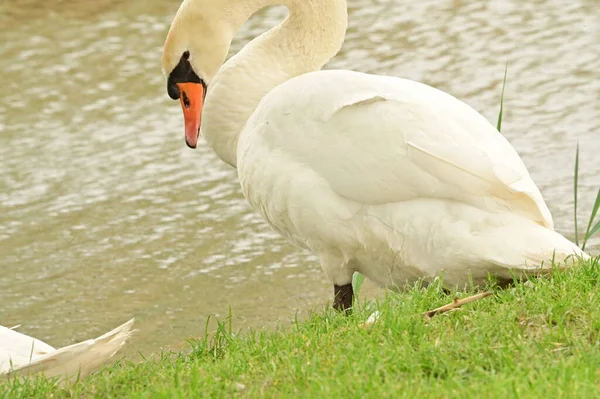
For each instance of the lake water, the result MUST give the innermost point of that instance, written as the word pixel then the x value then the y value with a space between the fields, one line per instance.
pixel 106 215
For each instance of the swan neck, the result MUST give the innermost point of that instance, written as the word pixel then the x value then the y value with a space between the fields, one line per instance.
pixel 311 34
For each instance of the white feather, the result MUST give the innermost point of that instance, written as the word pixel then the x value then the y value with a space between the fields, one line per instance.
pixel 24 355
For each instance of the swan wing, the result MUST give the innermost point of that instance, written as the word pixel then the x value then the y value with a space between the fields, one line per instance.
pixel 378 140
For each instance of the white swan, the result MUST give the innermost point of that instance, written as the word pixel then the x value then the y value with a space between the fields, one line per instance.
pixel 23 355
pixel 381 175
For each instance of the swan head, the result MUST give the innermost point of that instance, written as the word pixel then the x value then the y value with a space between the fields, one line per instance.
pixel 196 47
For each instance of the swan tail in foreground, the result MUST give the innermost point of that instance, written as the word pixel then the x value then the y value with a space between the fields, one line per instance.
pixel 25 355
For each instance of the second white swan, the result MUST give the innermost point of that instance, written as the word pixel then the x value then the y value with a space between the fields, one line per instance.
pixel 385 176
pixel 23 355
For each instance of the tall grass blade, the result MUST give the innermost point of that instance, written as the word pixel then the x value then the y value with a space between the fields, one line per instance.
pixel 594 230
pixel 499 124
pixel 575 185
pixel 591 231
pixel 357 281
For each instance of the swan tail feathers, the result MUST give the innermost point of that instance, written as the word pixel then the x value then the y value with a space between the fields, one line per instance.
pixel 541 250
pixel 78 360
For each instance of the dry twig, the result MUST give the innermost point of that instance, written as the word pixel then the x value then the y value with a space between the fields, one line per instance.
pixel 457 303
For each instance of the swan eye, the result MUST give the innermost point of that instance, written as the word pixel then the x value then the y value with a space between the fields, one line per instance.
pixel 172 90
pixel 182 73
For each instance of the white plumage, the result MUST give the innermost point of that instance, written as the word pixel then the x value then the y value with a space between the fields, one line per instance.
pixel 394 179
pixel 376 174
pixel 24 355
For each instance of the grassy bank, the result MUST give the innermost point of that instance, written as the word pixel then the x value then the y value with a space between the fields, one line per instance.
pixel 537 339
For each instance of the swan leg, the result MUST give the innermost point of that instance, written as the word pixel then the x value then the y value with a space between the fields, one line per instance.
pixel 342 297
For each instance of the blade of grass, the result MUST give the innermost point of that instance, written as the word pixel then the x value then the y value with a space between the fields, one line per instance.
pixel 589 233
pixel 594 230
pixel 357 281
pixel 575 185
pixel 499 124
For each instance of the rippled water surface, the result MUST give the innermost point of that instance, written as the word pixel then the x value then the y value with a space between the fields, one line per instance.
pixel 105 215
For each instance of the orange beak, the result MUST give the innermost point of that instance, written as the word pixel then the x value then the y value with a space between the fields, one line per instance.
pixel 191 96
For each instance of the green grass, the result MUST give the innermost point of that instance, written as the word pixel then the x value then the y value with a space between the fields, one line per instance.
pixel 536 339
pixel 592 229
pixel 499 123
